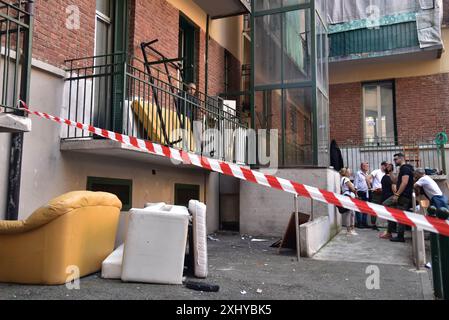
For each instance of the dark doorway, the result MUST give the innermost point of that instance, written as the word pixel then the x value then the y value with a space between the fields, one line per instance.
pixel 187 49
pixel 186 192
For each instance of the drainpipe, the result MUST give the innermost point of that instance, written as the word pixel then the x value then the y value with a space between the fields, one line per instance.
pixel 16 147
pixel 206 76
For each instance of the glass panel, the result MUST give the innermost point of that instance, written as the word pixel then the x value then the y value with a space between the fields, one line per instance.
pixel 298 127
pixel 322 55
pixel 323 129
pixel 371 112
pixel 387 112
pixel 287 3
pixel 268 50
pixel 103 38
pixel 268 113
pixel 296 46
pixel 321 7
pixel 261 5
pixel 104 6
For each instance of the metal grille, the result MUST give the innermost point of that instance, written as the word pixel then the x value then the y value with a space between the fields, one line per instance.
pixel 15 40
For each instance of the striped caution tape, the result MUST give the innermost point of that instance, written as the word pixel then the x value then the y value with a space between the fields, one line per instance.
pixel 403 217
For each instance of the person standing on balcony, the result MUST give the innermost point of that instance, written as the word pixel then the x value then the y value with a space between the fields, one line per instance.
pixel 430 189
pixel 192 103
pixel 402 199
pixel 375 180
pixel 362 184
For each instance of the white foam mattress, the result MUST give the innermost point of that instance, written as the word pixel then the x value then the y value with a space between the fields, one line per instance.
pixel 198 211
pixel 155 245
pixel 112 266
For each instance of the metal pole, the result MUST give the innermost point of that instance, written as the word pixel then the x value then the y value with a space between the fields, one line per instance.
pixel 298 239
pixel 17 139
pixel 415 237
pixel 206 67
pixel 443 158
pixel 312 211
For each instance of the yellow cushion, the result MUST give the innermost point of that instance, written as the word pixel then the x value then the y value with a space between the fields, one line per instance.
pixel 148 116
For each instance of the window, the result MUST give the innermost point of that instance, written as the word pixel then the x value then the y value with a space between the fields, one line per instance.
pixel 186 192
pixel 379 113
pixel 103 70
pixel 104 29
pixel 188 50
pixel 121 188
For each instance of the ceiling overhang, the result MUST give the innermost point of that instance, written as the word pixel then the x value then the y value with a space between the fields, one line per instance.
pixel 224 8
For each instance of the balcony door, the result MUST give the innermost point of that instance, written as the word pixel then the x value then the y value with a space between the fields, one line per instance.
pixel 104 61
pixel 187 49
pixel 111 43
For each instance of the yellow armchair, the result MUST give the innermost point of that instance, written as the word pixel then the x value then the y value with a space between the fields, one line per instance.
pixel 76 229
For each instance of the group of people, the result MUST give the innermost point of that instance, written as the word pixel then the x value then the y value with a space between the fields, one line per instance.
pixel 385 187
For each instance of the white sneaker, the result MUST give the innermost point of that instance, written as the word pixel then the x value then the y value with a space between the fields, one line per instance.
pixel 353 233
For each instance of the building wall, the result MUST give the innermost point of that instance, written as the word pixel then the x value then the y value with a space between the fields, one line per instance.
pixel 345 112
pixel 266 212
pixel 150 19
pixel 52 41
pixel 47 172
pixel 422 106
pixel 403 66
pixel 421 90
pixel 4 161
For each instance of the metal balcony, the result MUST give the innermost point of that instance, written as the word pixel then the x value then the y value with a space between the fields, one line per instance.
pixel 117 93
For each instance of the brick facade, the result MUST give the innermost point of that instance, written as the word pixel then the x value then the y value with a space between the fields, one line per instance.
pixel 422 106
pixel 148 20
pixel 345 112
pixel 52 41
pixel 422 109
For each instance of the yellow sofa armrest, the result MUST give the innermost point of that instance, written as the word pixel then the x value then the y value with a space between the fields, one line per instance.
pixel 59 207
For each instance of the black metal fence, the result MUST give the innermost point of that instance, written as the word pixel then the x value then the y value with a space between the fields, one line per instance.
pixel 15 35
pixel 115 92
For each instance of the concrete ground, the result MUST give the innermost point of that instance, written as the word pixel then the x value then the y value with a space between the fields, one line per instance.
pixel 252 270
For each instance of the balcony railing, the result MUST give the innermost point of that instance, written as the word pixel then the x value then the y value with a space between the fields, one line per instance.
pixel 15 33
pixel 116 92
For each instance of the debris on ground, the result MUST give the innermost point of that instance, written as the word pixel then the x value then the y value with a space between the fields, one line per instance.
pixel 212 238
pixel 259 291
pixel 200 286
pixel 243 292
pixel 259 240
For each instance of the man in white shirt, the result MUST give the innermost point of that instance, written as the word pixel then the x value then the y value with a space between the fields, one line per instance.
pixel 361 184
pixel 375 179
pixel 431 189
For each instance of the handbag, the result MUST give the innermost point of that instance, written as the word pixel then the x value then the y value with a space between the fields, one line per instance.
pixel 343 210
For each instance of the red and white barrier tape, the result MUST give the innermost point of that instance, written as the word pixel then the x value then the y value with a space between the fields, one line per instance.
pixel 407 218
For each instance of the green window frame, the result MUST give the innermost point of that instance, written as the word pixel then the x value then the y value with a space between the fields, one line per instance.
pixel 188 49
pixel 108 184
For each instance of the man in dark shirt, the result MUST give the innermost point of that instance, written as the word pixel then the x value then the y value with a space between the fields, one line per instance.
pixel 402 199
